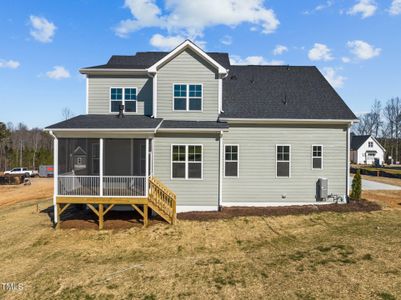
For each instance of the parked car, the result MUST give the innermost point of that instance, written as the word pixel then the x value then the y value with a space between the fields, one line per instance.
pixel 21 171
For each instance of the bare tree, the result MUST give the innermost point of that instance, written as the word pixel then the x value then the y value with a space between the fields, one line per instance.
pixel 67 113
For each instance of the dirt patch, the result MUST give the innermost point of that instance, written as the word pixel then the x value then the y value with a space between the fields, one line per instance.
pixel 231 212
pixel 40 188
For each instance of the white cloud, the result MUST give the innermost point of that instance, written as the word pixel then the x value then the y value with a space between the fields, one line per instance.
pixel 58 72
pixel 363 50
pixel 42 30
pixel 170 42
pixel 337 81
pixel 280 49
pixel 189 18
pixel 395 8
pixel 366 8
pixel 320 52
pixel 319 7
pixel 226 40
pixel 345 59
pixel 9 64
pixel 253 60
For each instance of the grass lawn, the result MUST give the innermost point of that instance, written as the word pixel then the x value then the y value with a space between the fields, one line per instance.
pixel 319 256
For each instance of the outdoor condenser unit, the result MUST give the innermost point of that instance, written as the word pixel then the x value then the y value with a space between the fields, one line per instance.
pixel 322 189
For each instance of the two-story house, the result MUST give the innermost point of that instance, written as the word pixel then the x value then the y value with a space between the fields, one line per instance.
pixel 189 123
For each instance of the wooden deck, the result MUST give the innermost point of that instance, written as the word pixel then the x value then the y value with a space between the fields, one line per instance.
pixel 160 199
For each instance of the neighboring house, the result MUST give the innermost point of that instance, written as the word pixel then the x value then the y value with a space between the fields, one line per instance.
pixel 365 149
pixel 213 133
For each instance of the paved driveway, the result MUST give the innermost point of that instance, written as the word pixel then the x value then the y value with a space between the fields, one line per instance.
pixel 373 185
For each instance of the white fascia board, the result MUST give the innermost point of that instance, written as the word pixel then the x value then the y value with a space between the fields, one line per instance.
pixel 113 71
pixel 187 44
pixel 188 130
pixel 144 130
pixel 285 121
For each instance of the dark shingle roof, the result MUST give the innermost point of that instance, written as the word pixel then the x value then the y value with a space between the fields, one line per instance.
pixel 143 60
pixel 281 92
pixel 107 122
pixel 358 140
pixel 168 124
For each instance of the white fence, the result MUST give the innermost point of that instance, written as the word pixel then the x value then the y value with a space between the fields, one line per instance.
pixel 72 185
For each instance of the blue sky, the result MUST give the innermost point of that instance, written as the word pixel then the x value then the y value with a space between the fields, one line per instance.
pixel 355 44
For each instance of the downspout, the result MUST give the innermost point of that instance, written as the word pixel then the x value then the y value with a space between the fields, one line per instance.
pixel 55 175
pixel 220 197
pixel 347 189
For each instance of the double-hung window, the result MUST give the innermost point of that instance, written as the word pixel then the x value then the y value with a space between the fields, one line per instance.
pixel 125 96
pixel 317 157
pixel 187 97
pixel 231 161
pixel 186 161
pixel 283 161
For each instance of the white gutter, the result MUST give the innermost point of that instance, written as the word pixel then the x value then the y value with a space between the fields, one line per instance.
pixel 192 130
pixel 150 130
pixel 287 121
pixel 113 71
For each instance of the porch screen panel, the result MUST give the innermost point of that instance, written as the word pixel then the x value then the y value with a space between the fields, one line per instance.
pixel 78 156
pixel 124 157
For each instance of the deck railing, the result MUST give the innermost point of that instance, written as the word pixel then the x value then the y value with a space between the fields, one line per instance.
pixel 124 186
pixel 74 185
pixel 162 200
pixel 80 185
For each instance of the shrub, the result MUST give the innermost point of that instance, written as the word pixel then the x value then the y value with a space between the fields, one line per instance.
pixel 356 186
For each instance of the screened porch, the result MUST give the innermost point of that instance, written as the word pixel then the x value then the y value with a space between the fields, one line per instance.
pixel 103 167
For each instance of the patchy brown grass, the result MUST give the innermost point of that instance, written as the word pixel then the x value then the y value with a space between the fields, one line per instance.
pixel 390 199
pixel 40 188
pixel 387 180
pixel 317 256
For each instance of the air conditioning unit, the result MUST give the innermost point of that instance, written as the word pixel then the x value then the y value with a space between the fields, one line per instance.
pixel 322 189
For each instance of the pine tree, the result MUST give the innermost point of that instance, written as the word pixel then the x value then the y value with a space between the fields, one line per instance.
pixel 356 186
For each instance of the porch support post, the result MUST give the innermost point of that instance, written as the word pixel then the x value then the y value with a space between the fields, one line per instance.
pixel 101 167
pixel 145 215
pixel 101 216
pixel 147 169
pixel 55 177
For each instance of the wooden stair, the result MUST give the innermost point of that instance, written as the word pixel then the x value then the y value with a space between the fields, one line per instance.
pixel 162 200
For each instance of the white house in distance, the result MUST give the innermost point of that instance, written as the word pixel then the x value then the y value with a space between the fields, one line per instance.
pixel 365 149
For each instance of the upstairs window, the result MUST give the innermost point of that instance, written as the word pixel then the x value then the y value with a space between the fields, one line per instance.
pixel 186 162
pixel 231 161
pixel 317 157
pixel 283 161
pixel 126 96
pixel 370 144
pixel 187 97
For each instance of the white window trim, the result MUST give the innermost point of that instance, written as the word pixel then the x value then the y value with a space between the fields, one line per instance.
pixel 290 164
pixel 369 142
pixel 231 161
pixel 123 99
pixel 316 145
pixel 187 98
pixel 186 162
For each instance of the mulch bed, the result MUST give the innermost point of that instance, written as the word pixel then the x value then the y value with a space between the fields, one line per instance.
pixel 232 212
pixel 74 217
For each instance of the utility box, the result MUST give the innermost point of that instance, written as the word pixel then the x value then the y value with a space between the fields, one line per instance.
pixel 322 189
pixel 46 171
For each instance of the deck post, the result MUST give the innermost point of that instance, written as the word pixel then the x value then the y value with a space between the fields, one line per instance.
pixel 145 215
pixel 101 216
pixel 101 167
pixel 57 210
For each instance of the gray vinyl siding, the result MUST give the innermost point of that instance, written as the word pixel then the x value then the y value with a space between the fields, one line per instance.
pixel 189 192
pixel 187 67
pixel 257 180
pixel 99 92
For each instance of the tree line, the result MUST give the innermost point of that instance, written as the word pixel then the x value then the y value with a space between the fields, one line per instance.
pixel 384 123
pixel 24 147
